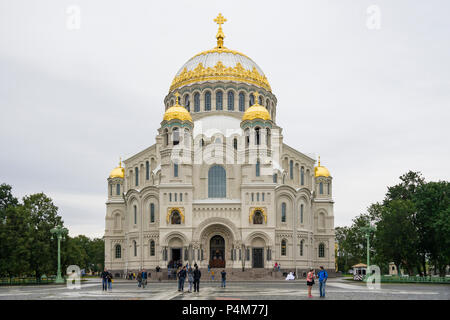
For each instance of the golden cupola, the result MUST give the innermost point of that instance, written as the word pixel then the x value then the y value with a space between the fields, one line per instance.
pixel 118 172
pixel 177 112
pixel 256 111
pixel 220 64
pixel 321 171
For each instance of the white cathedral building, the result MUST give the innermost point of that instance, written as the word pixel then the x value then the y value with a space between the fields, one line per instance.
pixel 219 187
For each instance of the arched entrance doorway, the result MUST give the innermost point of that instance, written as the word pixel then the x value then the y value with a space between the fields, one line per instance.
pixel 217 252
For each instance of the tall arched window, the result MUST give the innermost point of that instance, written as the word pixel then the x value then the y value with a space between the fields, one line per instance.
pixel 118 250
pixel 321 250
pixel 283 212
pixel 302 176
pixel 219 100
pixel 197 102
pixel 257 136
pixel 186 103
pixel 110 189
pixel 207 101
pixel 135 214
pixel 301 213
pixel 283 247
pixel 268 138
pixel 175 169
pixel 247 137
pixel 260 100
pixel 147 170
pixel 230 100
pixel 328 188
pixel 302 243
pixel 291 169
pixel 235 144
pixel 175 136
pixel 321 187
pixel 217 182
pixel 166 137
pixel 152 212
pixel 136 176
pixel 135 248
pixel 152 248
pixel 176 217
pixel 241 102
pixel 275 178
pixel 258 168
pixel 251 100
pixel 118 189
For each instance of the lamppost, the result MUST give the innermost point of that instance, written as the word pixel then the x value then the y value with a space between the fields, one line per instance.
pixel 368 230
pixel 60 233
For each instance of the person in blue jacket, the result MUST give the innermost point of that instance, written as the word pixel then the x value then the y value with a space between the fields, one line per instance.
pixel 323 276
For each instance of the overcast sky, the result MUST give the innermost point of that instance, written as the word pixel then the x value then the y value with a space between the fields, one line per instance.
pixel 372 102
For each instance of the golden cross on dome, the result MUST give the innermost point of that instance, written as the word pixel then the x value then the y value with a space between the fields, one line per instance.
pixel 120 162
pixel 256 95
pixel 177 95
pixel 220 35
pixel 319 161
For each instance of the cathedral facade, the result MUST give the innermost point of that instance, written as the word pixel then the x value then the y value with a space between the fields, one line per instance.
pixel 219 187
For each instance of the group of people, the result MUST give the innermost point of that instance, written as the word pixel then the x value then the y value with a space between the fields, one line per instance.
pixel 277 267
pixel 107 279
pixel 141 278
pixel 193 276
pixel 322 276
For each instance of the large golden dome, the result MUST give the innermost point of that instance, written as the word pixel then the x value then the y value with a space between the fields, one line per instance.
pixel 256 111
pixel 220 63
pixel 177 112
pixel 321 171
pixel 118 172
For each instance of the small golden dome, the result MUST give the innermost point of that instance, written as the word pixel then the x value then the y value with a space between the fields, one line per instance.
pixel 321 171
pixel 256 111
pixel 177 112
pixel 118 172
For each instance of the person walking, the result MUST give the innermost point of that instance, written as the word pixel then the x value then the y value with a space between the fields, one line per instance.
pixel 181 279
pixel 104 276
pixel 212 275
pixel 139 278
pixel 275 268
pixel 110 280
pixel 190 276
pixel 310 281
pixel 144 278
pixel 224 278
pixel 323 276
pixel 197 276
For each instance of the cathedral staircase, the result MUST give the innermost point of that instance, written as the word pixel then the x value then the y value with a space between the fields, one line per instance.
pixel 257 274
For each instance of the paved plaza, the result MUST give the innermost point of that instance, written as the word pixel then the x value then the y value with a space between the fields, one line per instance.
pixel 337 289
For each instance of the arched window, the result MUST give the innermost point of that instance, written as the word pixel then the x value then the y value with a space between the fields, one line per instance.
pixel 260 100
pixel 152 212
pixel 235 144
pixel 257 136
pixel 166 137
pixel 321 187
pixel 175 136
pixel 247 137
pixel 135 214
pixel 328 188
pixel 230 100
pixel 136 176
pixel 258 217
pixel 301 213
pixel 321 250
pixel 258 168
pixel 268 137
pixel 175 218
pixel 291 169
pixel 302 243
pixel 110 189
pixel 202 143
pixel 302 176
pixel 147 170
pixel 283 212
pixel 152 248
pixel 135 247
pixel 219 100
pixel 283 247
pixel 118 189
pixel 207 101
pixel 118 250
pixel 175 169
pixel 186 103
pixel 275 178
pixel 257 196
pixel 217 182
pixel 241 102
pixel 251 100
pixel 197 102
